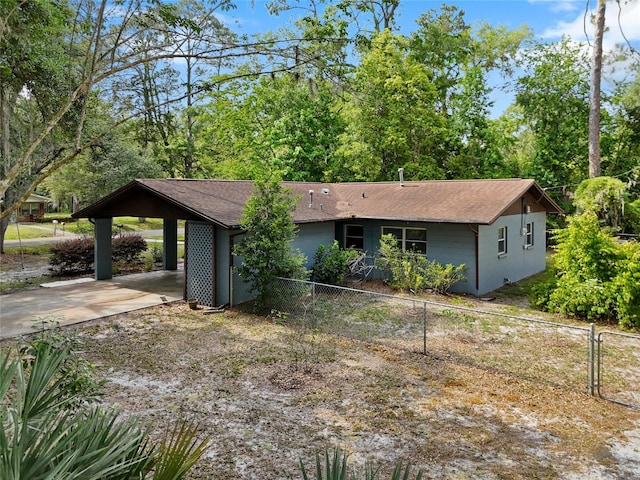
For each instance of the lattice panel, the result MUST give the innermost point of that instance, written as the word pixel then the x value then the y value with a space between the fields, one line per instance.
pixel 200 263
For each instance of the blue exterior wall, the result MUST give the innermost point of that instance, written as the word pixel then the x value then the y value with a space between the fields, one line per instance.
pixel 446 243
pixel 519 262
pixel 310 237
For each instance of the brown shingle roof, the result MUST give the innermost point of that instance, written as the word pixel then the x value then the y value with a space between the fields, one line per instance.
pixel 452 201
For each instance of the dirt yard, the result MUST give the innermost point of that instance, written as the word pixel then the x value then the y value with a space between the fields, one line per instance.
pixel 269 396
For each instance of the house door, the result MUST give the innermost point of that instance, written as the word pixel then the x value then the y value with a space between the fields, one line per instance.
pixel 200 262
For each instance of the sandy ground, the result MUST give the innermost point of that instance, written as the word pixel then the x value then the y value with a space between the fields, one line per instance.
pixel 269 396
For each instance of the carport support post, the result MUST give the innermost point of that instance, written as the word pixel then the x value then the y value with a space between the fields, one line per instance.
pixel 102 251
pixel 170 244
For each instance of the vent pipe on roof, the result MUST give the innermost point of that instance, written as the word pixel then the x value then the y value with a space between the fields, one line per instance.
pixel 310 198
pixel 401 175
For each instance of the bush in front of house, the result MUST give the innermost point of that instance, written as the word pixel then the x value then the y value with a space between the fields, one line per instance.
pixel 413 271
pixel 330 264
pixel 597 277
pixel 72 256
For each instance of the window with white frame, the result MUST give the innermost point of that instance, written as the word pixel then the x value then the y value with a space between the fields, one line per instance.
pixel 502 240
pixel 354 236
pixel 410 239
pixel 528 236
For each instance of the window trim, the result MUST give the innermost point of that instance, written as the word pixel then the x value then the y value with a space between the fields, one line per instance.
pixel 529 235
pixel 502 239
pixel 403 241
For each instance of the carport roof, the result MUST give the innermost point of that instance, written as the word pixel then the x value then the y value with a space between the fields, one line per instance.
pixel 222 201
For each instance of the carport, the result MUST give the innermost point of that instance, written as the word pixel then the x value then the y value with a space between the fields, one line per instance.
pixel 140 199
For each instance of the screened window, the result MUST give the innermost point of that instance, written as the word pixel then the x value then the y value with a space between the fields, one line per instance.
pixel 354 237
pixel 409 239
pixel 502 240
pixel 528 239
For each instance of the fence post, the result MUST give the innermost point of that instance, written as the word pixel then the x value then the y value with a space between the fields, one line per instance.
pixel 313 301
pixel 592 343
pixel 231 286
pixel 424 328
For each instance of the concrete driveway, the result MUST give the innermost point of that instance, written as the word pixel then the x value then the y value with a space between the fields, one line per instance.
pixel 77 301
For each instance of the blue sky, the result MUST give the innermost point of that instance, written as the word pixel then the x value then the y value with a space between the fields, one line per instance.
pixel 549 20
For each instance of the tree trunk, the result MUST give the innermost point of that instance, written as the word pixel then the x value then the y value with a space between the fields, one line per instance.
pixel 594 102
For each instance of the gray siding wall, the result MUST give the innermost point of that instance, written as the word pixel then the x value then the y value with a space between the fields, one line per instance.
pixel 310 236
pixel 519 262
pixel 446 243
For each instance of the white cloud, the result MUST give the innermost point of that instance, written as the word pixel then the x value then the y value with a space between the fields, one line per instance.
pixel 562 6
pixel 622 20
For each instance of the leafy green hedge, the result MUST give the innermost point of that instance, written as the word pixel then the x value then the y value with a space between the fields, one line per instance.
pixel 597 277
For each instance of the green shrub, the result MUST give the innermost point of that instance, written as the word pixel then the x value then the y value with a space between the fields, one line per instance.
pixel 412 271
pixel 128 249
pixel 330 264
pixel 335 467
pixel 597 278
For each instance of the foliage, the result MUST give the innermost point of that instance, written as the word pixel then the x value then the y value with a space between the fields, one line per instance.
pixel 335 467
pixel 266 243
pixel 77 255
pixel 608 198
pixel 71 256
pixel 596 276
pixel 128 249
pixel 412 271
pixel 330 264
pixel 50 429
pixel 553 95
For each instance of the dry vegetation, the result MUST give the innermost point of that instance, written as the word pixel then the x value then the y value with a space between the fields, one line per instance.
pixel 269 395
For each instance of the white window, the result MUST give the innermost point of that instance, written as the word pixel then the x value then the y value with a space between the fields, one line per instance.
pixel 354 237
pixel 528 237
pixel 502 240
pixel 409 239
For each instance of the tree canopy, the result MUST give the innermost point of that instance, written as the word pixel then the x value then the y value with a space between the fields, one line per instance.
pixel 105 90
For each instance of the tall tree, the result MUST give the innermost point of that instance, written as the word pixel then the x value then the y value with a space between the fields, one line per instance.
pixel 391 117
pixel 99 43
pixel 554 97
pixel 595 100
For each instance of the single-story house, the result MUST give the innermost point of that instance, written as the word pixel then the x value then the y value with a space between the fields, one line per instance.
pixel 34 208
pixel 497 228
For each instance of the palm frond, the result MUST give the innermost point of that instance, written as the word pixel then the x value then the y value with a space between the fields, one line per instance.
pixel 179 452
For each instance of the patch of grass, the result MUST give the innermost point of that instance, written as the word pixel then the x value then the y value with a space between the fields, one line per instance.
pixel 28 250
pixel 26 232
pixel 17 285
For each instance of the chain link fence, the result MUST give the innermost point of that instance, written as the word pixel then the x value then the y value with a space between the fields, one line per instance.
pixel 526 348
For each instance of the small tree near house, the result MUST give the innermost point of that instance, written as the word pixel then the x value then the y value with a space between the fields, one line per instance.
pixel 266 244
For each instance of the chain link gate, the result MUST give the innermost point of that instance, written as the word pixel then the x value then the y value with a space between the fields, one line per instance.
pixel 618 376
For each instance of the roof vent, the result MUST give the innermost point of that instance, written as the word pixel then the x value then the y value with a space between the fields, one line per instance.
pixel 401 175
pixel 325 191
pixel 310 198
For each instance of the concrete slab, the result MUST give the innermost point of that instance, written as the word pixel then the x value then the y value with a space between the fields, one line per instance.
pixel 22 312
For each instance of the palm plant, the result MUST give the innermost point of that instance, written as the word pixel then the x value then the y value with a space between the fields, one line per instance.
pixel 335 467
pixel 50 431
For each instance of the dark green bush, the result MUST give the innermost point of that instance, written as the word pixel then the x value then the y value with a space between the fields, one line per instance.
pixel 128 249
pixel 330 264
pixel 72 256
